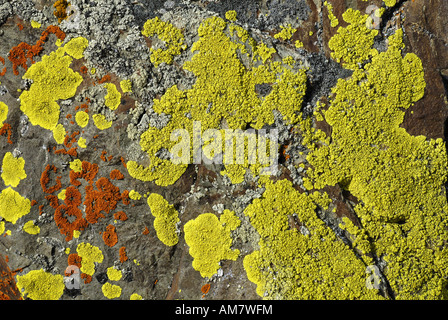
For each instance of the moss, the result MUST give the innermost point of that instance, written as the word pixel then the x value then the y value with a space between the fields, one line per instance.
pixel 397 178
pixel 285 33
pixel 90 255
pixel 210 241
pixel 113 96
pixel 126 86
pixel 59 133
pixel 76 46
pixel 82 118
pixel 166 219
pixel 13 170
pixel 111 291
pixel 3 112
pixel 31 228
pixel 114 274
pixel 41 285
pixel 173 38
pixel 290 264
pixel 13 206
pixel 53 80
pixel 101 122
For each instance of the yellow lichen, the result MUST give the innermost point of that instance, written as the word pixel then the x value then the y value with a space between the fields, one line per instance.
pixel 286 32
pixel 114 274
pixel 59 133
pixel 31 228
pixel 53 80
pixel 2 227
pixel 76 165
pixel 210 242
pixel 101 122
pixel 76 46
pixel 82 143
pixel 111 291
pixel 306 262
pixel 134 195
pixel 231 15
pixel 13 170
pixel 3 112
pixel 136 296
pixel 166 219
pixel 333 20
pixel 113 96
pixel 90 255
pixel 61 195
pixel 41 285
pixel 13 206
pixel 126 85
pixel 173 38
pixel 35 24
pixel 82 118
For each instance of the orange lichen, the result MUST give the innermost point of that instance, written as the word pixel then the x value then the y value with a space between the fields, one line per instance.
pixel 116 175
pixel 87 278
pixel 6 129
pixel 125 197
pixel 71 152
pixel 104 79
pixel 45 179
pixel 61 9
pixel 33 202
pixel 146 231
pixel 110 237
pixel 120 215
pixel 74 260
pixel 70 209
pixel 2 60
pixel 104 199
pixel 83 69
pixel 205 288
pixel 123 255
pixel 52 200
pixel 20 26
pixel 103 155
pixel 123 162
pixel 88 173
pixel 8 287
pixel 20 54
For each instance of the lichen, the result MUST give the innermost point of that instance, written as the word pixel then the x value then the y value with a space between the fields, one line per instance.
pixel 59 133
pixel 114 274
pixel 100 122
pixel 30 228
pixel 76 46
pixel 3 112
pixel 333 20
pixel 13 170
pixel 90 255
pixel 53 80
pixel 13 206
pixel 285 33
pixel 166 219
pixel 210 241
pixel 292 265
pixel 76 165
pixel 82 118
pixel 113 96
pixel 224 90
pixel 111 291
pixel 172 36
pixel 126 86
pixel 397 178
pixel 41 285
